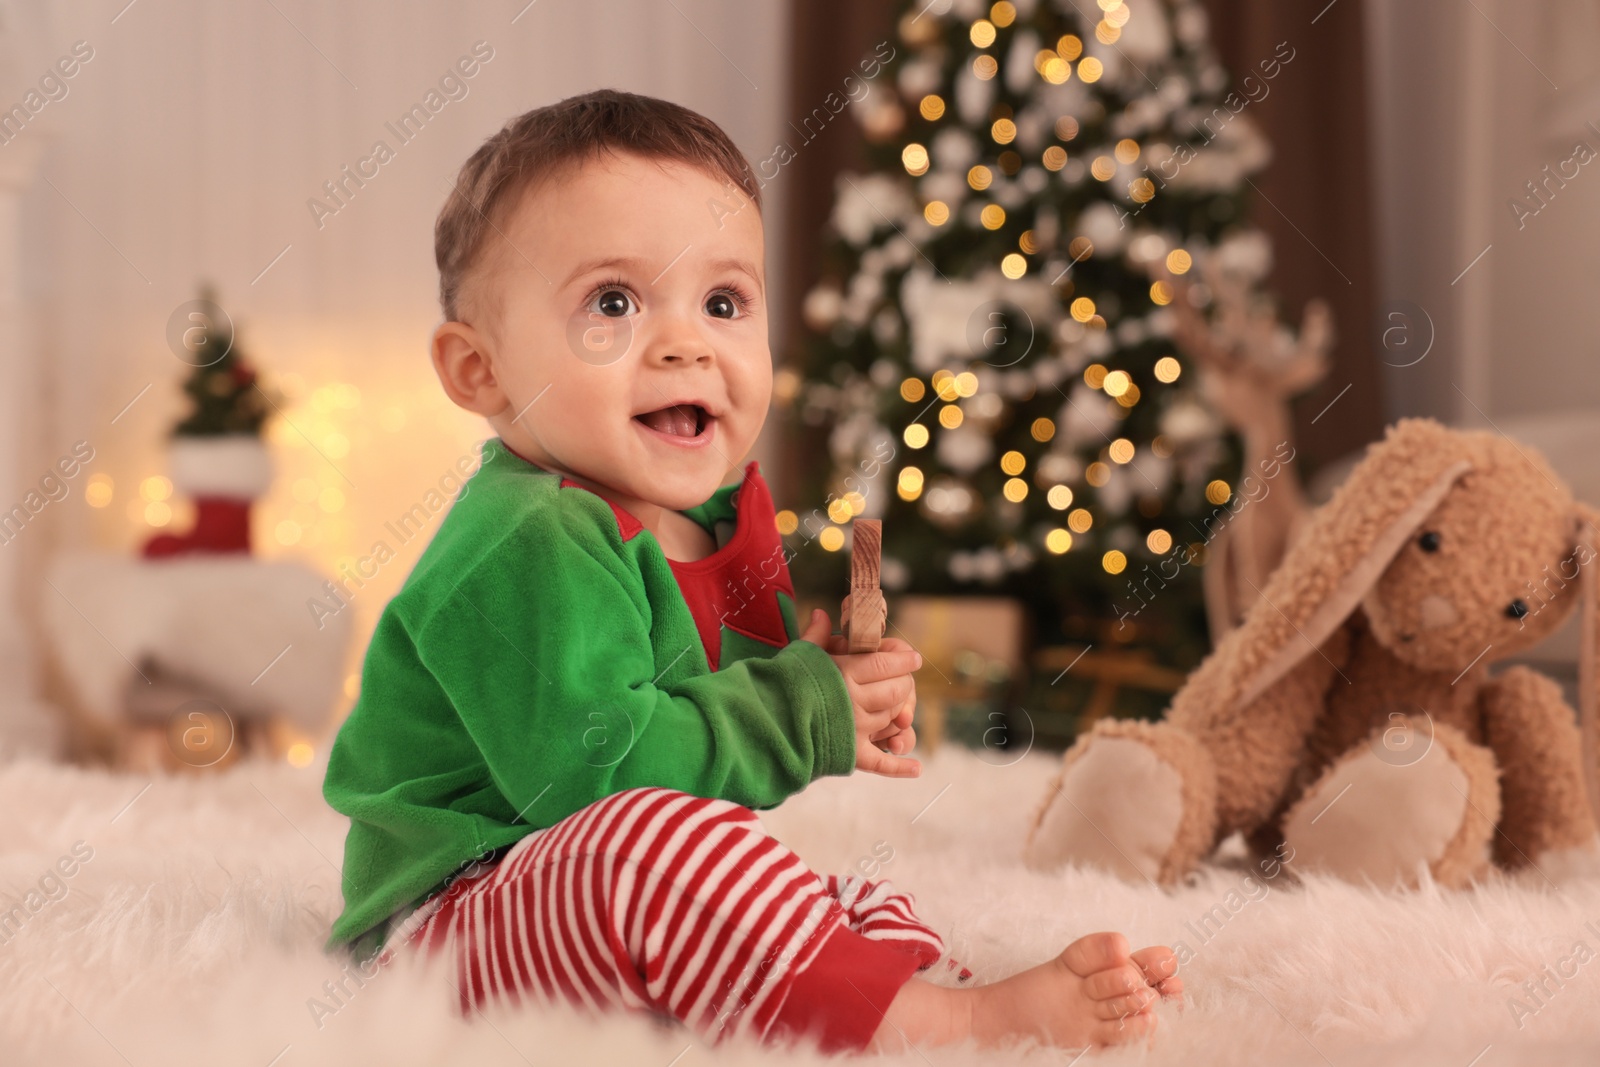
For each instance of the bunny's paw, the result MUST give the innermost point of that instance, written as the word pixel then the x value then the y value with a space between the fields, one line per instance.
pixel 1122 803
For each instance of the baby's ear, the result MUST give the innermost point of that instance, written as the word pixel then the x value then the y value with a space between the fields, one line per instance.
pixel 461 360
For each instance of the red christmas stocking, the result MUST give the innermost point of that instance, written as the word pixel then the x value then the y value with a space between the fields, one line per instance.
pixel 223 474
pixel 221 524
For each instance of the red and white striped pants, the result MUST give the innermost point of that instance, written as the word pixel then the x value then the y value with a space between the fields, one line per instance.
pixel 655 900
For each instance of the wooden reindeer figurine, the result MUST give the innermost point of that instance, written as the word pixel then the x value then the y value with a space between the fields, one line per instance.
pixel 1250 370
pixel 863 616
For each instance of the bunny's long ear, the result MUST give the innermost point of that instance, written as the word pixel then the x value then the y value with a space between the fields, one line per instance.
pixel 1589 652
pixel 1345 548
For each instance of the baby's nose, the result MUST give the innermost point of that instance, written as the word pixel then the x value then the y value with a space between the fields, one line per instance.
pixel 1436 612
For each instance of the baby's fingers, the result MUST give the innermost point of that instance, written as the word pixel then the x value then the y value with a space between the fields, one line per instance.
pixel 904 717
pixel 902 742
pixel 887 696
pixel 876 666
pixel 819 631
pixel 870 758
pixel 817 628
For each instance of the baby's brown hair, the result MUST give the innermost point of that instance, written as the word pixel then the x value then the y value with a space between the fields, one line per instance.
pixel 533 147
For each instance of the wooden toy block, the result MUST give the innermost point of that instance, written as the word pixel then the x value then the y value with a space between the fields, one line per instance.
pixel 864 615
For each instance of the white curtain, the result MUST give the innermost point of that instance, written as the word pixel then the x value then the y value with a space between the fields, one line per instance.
pixel 1470 102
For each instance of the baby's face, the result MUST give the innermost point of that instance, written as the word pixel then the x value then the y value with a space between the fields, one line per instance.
pixel 631 333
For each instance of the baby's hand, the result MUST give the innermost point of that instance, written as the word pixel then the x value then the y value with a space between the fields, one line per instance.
pixel 882 693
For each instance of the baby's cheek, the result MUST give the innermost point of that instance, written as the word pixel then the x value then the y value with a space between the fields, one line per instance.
pixel 583 417
pixel 743 429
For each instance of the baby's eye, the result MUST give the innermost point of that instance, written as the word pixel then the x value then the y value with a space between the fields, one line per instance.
pixel 722 306
pixel 612 303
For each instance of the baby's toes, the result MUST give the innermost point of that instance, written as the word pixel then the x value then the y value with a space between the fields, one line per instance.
pixel 1157 962
pixel 1094 953
pixel 1114 982
pixel 1125 1006
pixel 1126 1028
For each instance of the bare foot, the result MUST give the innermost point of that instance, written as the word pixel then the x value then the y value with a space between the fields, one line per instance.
pixel 1095 993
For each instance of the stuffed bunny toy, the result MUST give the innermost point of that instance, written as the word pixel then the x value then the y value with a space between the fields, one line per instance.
pixel 1350 723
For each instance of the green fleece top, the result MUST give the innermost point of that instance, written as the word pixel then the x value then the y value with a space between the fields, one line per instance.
pixel 542 655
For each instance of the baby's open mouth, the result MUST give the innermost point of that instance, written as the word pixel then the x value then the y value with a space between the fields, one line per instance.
pixel 680 420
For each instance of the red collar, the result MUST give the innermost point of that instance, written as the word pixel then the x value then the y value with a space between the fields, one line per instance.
pixel 737 584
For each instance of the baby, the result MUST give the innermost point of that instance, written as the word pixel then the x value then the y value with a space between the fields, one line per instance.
pixel 594 676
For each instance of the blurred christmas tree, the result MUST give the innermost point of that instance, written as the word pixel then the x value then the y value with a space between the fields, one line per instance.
pixel 222 385
pixel 216 455
pixel 991 363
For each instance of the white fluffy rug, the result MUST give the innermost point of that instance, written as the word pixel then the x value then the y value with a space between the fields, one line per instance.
pixel 192 935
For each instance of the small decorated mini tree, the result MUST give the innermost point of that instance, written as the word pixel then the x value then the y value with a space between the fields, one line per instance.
pixel 216 454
